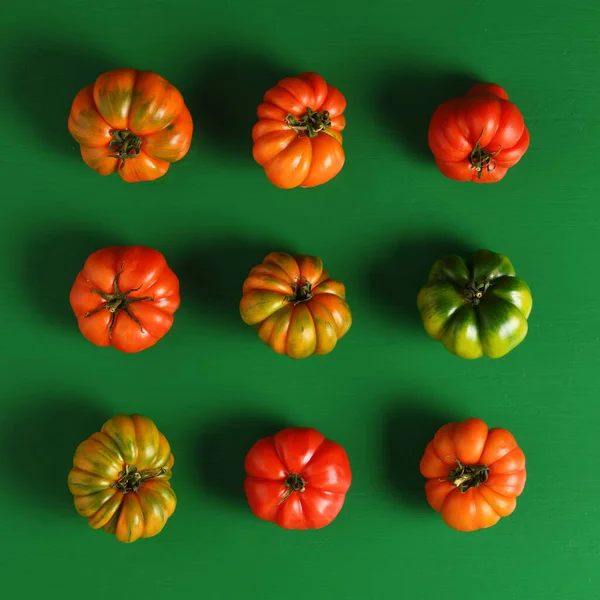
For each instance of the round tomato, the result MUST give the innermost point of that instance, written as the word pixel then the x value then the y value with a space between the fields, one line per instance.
pixel 120 479
pixel 474 474
pixel 297 138
pixel 476 308
pixel 294 305
pixel 125 297
pixel 297 479
pixel 478 136
pixel 133 122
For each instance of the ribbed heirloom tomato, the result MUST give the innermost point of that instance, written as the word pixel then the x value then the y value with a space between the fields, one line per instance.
pixel 133 122
pixel 120 478
pixel 125 297
pixel 297 479
pixel 474 474
pixel 478 136
pixel 294 305
pixel 476 308
pixel 298 137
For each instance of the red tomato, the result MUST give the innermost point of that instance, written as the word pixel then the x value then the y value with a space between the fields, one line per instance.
pixel 133 122
pixel 474 474
pixel 298 137
pixel 297 479
pixel 125 297
pixel 479 136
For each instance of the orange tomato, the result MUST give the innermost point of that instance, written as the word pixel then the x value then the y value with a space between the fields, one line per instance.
pixel 133 122
pixel 120 479
pixel 297 138
pixel 125 297
pixel 474 474
pixel 294 305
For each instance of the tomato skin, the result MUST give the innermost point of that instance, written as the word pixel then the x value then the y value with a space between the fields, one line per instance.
pixel 120 479
pixel 300 458
pixel 470 327
pixel 291 157
pixel 295 306
pixel 140 318
pixel 479 136
pixel 455 456
pixel 141 103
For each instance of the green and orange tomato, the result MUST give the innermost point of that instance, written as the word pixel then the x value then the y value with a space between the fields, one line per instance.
pixel 131 122
pixel 477 307
pixel 120 478
pixel 295 306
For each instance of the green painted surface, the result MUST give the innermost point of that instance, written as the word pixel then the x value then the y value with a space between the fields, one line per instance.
pixel 213 388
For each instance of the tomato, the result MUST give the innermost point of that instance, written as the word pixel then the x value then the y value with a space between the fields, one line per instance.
pixel 133 122
pixel 297 138
pixel 120 479
pixel 297 479
pixel 125 297
pixel 294 305
pixel 474 474
pixel 478 136
pixel 475 308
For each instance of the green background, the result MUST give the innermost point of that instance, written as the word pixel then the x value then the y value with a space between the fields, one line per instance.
pixel 212 387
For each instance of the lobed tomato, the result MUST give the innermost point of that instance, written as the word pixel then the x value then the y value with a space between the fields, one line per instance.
pixel 120 479
pixel 297 479
pixel 474 474
pixel 478 136
pixel 294 305
pixel 297 138
pixel 125 297
pixel 132 122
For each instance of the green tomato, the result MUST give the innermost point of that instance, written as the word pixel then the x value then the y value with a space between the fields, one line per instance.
pixel 475 308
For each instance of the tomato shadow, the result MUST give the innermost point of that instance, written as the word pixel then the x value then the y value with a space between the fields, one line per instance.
pixel 39 441
pixel 221 449
pixel 407 426
pixel 399 271
pixel 211 276
pixel 408 97
pixel 230 84
pixel 44 80
pixel 51 260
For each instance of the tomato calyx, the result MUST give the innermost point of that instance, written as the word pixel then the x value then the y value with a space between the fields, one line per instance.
pixel 131 480
pixel 311 123
pixel 118 301
pixel 294 483
pixel 125 145
pixel 474 290
pixel 481 158
pixel 465 477
pixel 302 291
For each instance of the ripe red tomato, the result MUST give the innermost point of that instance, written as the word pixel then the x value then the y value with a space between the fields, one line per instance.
pixel 474 474
pixel 298 137
pixel 133 122
pixel 125 297
pixel 297 479
pixel 478 136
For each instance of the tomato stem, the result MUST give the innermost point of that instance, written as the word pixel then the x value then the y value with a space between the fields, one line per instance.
pixel 481 158
pixel 465 477
pixel 118 301
pixel 474 290
pixel 302 291
pixel 311 123
pixel 131 480
pixel 294 483
pixel 125 145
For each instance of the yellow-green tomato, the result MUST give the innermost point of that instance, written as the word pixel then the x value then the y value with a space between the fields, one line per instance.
pixel 476 307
